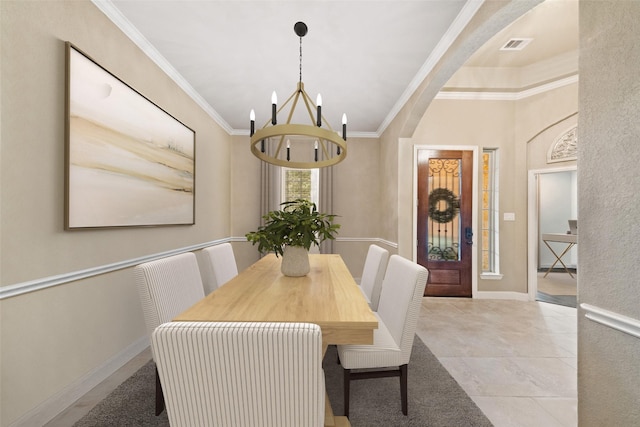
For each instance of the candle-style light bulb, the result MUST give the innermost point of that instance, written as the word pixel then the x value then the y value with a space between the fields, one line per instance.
pixel 344 130
pixel 252 117
pixel 319 106
pixel 274 102
pixel 344 126
pixel 288 149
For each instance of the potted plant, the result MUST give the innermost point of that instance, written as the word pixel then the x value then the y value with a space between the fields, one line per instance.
pixel 291 231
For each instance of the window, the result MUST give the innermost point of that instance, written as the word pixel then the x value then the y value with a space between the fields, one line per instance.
pixel 489 206
pixel 300 184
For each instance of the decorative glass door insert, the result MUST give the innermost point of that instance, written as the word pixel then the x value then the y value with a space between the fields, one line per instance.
pixel 443 223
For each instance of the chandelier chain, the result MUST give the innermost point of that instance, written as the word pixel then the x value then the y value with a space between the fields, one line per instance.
pixel 301 59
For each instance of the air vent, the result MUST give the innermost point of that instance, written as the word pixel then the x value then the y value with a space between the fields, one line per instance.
pixel 516 44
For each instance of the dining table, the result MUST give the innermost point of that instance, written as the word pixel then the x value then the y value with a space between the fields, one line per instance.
pixel 327 296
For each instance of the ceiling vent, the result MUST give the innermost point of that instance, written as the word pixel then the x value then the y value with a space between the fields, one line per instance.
pixel 516 44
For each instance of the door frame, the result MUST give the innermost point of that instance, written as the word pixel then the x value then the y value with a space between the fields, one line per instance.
pixel 532 226
pixel 474 209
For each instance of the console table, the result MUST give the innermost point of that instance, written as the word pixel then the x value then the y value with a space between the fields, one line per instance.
pixel 570 239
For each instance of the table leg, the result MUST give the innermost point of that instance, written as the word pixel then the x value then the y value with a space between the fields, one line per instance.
pixel 328 411
pixel 559 258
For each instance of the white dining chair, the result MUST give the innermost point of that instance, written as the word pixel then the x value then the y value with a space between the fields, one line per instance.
pixel 167 287
pixel 220 265
pixel 241 374
pixel 375 265
pixel 400 301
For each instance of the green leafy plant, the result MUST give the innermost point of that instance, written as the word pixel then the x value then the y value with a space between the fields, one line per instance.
pixel 298 223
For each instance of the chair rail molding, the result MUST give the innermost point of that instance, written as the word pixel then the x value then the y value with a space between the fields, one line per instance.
pixel 60 279
pixel 614 320
pixel 367 239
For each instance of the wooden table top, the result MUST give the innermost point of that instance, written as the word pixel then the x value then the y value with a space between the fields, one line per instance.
pixel 328 296
pixel 559 237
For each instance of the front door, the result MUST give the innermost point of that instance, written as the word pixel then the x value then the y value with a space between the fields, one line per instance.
pixel 445 236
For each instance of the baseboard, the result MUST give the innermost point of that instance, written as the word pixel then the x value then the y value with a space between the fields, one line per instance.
pixel 517 296
pixel 60 401
pixel 571 268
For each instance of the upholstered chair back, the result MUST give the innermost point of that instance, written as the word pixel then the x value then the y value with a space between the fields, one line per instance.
pixel 241 374
pixel 167 287
pixel 400 300
pixel 375 266
pixel 220 263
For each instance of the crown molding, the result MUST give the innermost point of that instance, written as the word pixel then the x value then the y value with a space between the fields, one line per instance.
pixel 114 14
pixel 506 96
pixel 468 11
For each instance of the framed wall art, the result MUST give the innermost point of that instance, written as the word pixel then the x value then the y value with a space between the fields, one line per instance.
pixel 129 163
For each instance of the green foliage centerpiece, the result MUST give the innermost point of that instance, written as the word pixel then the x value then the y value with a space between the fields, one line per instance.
pixel 291 231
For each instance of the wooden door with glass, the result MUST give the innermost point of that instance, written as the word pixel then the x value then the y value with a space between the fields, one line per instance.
pixel 444 232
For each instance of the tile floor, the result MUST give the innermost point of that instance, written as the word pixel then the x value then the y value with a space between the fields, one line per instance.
pixel 517 360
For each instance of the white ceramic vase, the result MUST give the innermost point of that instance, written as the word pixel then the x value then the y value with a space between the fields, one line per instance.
pixel 295 261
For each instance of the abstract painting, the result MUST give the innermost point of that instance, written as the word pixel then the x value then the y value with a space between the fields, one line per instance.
pixel 129 163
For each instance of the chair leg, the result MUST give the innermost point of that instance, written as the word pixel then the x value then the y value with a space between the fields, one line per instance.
pixel 401 372
pixel 347 380
pixel 403 388
pixel 159 395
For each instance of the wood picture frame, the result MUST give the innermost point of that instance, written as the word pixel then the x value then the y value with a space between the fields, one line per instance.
pixel 128 163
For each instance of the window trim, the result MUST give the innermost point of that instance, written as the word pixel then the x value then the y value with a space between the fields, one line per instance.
pixel 493 273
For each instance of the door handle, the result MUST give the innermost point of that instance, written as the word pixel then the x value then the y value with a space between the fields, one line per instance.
pixel 468 235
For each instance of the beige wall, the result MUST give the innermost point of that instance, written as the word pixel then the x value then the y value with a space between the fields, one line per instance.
pixel 357 183
pixel 539 146
pixel 486 124
pixel 245 199
pixel 541 120
pixel 490 18
pixel 507 126
pixel 52 338
pixel 608 184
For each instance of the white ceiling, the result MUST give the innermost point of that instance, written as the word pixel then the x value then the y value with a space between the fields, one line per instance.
pixel 365 57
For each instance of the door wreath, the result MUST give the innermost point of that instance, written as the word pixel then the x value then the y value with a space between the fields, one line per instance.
pixel 452 209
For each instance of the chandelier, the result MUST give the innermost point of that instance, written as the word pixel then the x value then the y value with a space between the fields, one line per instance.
pixel 282 143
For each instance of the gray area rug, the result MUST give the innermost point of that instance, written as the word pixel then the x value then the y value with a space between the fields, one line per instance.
pixel 435 399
